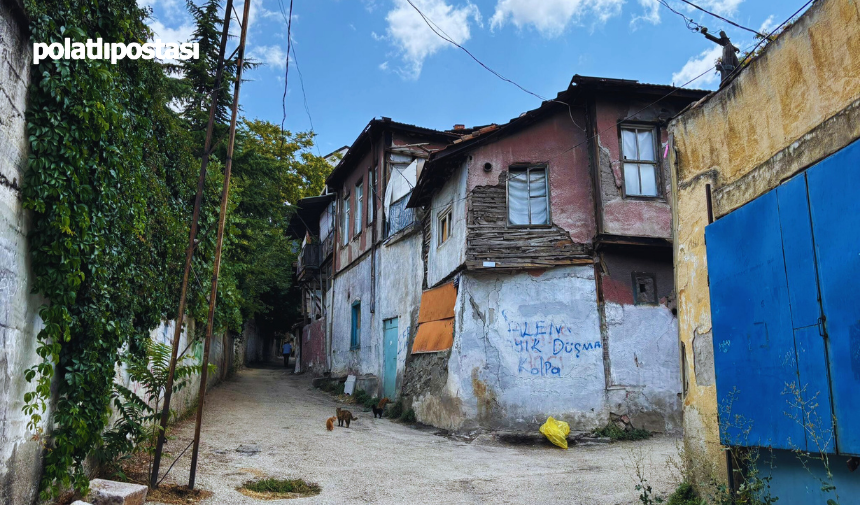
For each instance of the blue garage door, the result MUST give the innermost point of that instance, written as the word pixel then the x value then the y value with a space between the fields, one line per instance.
pixel 785 324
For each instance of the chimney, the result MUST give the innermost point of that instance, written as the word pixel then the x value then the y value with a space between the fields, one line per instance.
pixel 459 127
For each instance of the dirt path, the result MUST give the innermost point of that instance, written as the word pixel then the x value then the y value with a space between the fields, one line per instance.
pixel 379 461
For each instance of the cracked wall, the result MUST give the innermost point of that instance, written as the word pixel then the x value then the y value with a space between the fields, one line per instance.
pixel 527 346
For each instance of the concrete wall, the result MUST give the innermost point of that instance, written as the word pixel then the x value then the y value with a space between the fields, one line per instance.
pixel 399 288
pixel 445 258
pixel 794 105
pixel 526 346
pixel 354 284
pixel 313 347
pixel 20 456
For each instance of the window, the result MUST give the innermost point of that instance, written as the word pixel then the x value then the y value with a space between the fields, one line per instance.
pixel 359 202
pixel 371 195
pixel 528 196
pixel 644 288
pixel 443 226
pixel 355 334
pixel 345 223
pixel 640 161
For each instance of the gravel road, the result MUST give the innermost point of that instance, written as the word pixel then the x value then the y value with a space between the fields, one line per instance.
pixel 277 420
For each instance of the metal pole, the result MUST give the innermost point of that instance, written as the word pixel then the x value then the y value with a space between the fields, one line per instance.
pixel 225 193
pixel 189 253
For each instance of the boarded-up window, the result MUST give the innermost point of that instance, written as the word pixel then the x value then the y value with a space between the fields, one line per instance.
pixel 436 320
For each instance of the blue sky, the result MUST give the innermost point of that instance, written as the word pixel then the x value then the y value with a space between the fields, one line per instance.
pixel 369 58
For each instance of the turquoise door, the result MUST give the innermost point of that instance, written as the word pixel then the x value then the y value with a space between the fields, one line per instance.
pixel 389 337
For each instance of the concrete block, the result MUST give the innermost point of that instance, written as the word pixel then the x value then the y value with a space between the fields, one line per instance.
pixel 108 492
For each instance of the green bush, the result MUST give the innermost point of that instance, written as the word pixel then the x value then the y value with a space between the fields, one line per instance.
pixel 408 416
pixel 685 495
pixel 615 433
pixel 396 410
pixel 279 486
pixel 360 396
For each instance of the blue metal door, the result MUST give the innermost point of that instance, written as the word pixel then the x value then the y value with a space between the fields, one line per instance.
pixel 754 355
pixel 783 270
pixel 833 186
pixel 389 337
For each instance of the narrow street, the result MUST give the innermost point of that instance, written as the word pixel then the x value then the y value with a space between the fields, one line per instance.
pixel 380 461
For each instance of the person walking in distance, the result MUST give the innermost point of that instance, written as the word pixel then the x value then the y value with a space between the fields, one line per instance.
pixel 288 349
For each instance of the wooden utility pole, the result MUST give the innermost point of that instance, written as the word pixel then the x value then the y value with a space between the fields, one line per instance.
pixel 189 253
pixel 222 217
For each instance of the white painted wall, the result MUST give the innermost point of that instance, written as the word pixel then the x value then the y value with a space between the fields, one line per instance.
pixel 645 366
pixel 525 347
pixel 444 259
pixel 399 293
pixel 350 285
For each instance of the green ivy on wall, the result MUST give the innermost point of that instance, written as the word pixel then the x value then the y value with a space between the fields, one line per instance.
pixel 106 175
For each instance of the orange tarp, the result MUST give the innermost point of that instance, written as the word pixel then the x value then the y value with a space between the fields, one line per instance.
pixel 436 320
pixel 438 303
pixel 434 336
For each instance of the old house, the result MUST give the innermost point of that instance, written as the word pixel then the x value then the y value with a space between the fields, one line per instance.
pixel 376 266
pixel 766 227
pixel 548 264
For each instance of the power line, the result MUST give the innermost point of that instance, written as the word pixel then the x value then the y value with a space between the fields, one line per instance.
pixel 289 20
pixel 447 38
pixel 767 38
pixel 691 24
pixel 436 29
pixel 729 21
pixel 305 96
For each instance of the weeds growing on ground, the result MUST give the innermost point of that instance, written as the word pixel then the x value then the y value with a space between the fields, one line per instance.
pixel 281 486
pixel 614 433
pixel 396 410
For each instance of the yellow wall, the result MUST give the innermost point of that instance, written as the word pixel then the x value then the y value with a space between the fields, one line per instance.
pixel 794 105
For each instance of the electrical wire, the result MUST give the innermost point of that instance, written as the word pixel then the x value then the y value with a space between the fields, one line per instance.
pixel 305 96
pixel 289 21
pixel 729 21
pixel 691 24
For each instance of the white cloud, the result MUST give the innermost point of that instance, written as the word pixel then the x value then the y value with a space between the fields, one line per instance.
pixel 651 13
pixel 274 56
pixel 767 26
pixel 415 41
pixel 551 17
pixel 723 7
pixel 383 65
pixel 697 65
pixel 180 34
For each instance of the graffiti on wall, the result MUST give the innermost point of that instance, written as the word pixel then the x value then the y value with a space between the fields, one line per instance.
pixel 545 348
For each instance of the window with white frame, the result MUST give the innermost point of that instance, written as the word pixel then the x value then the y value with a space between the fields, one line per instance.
pixel 528 196
pixel 443 226
pixel 359 204
pixel 344 227
pixel 638 150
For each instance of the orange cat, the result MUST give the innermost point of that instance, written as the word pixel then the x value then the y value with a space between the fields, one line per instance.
pixel 380 408
pixel 329 424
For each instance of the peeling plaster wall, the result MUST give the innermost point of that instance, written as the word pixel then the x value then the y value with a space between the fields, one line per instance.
pixel 528 346
pixel 20 456
pixel 399 296
pixel 622 215
pixel 645 371
pixel 445 258
pixel 349 286
pixel 794 105
pixel 545 141
pixel 313 347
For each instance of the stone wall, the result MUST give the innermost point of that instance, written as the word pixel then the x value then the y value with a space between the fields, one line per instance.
pixel 794 105
pixel 20 456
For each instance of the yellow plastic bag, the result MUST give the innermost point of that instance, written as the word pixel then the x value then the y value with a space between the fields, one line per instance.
pixel 556 432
